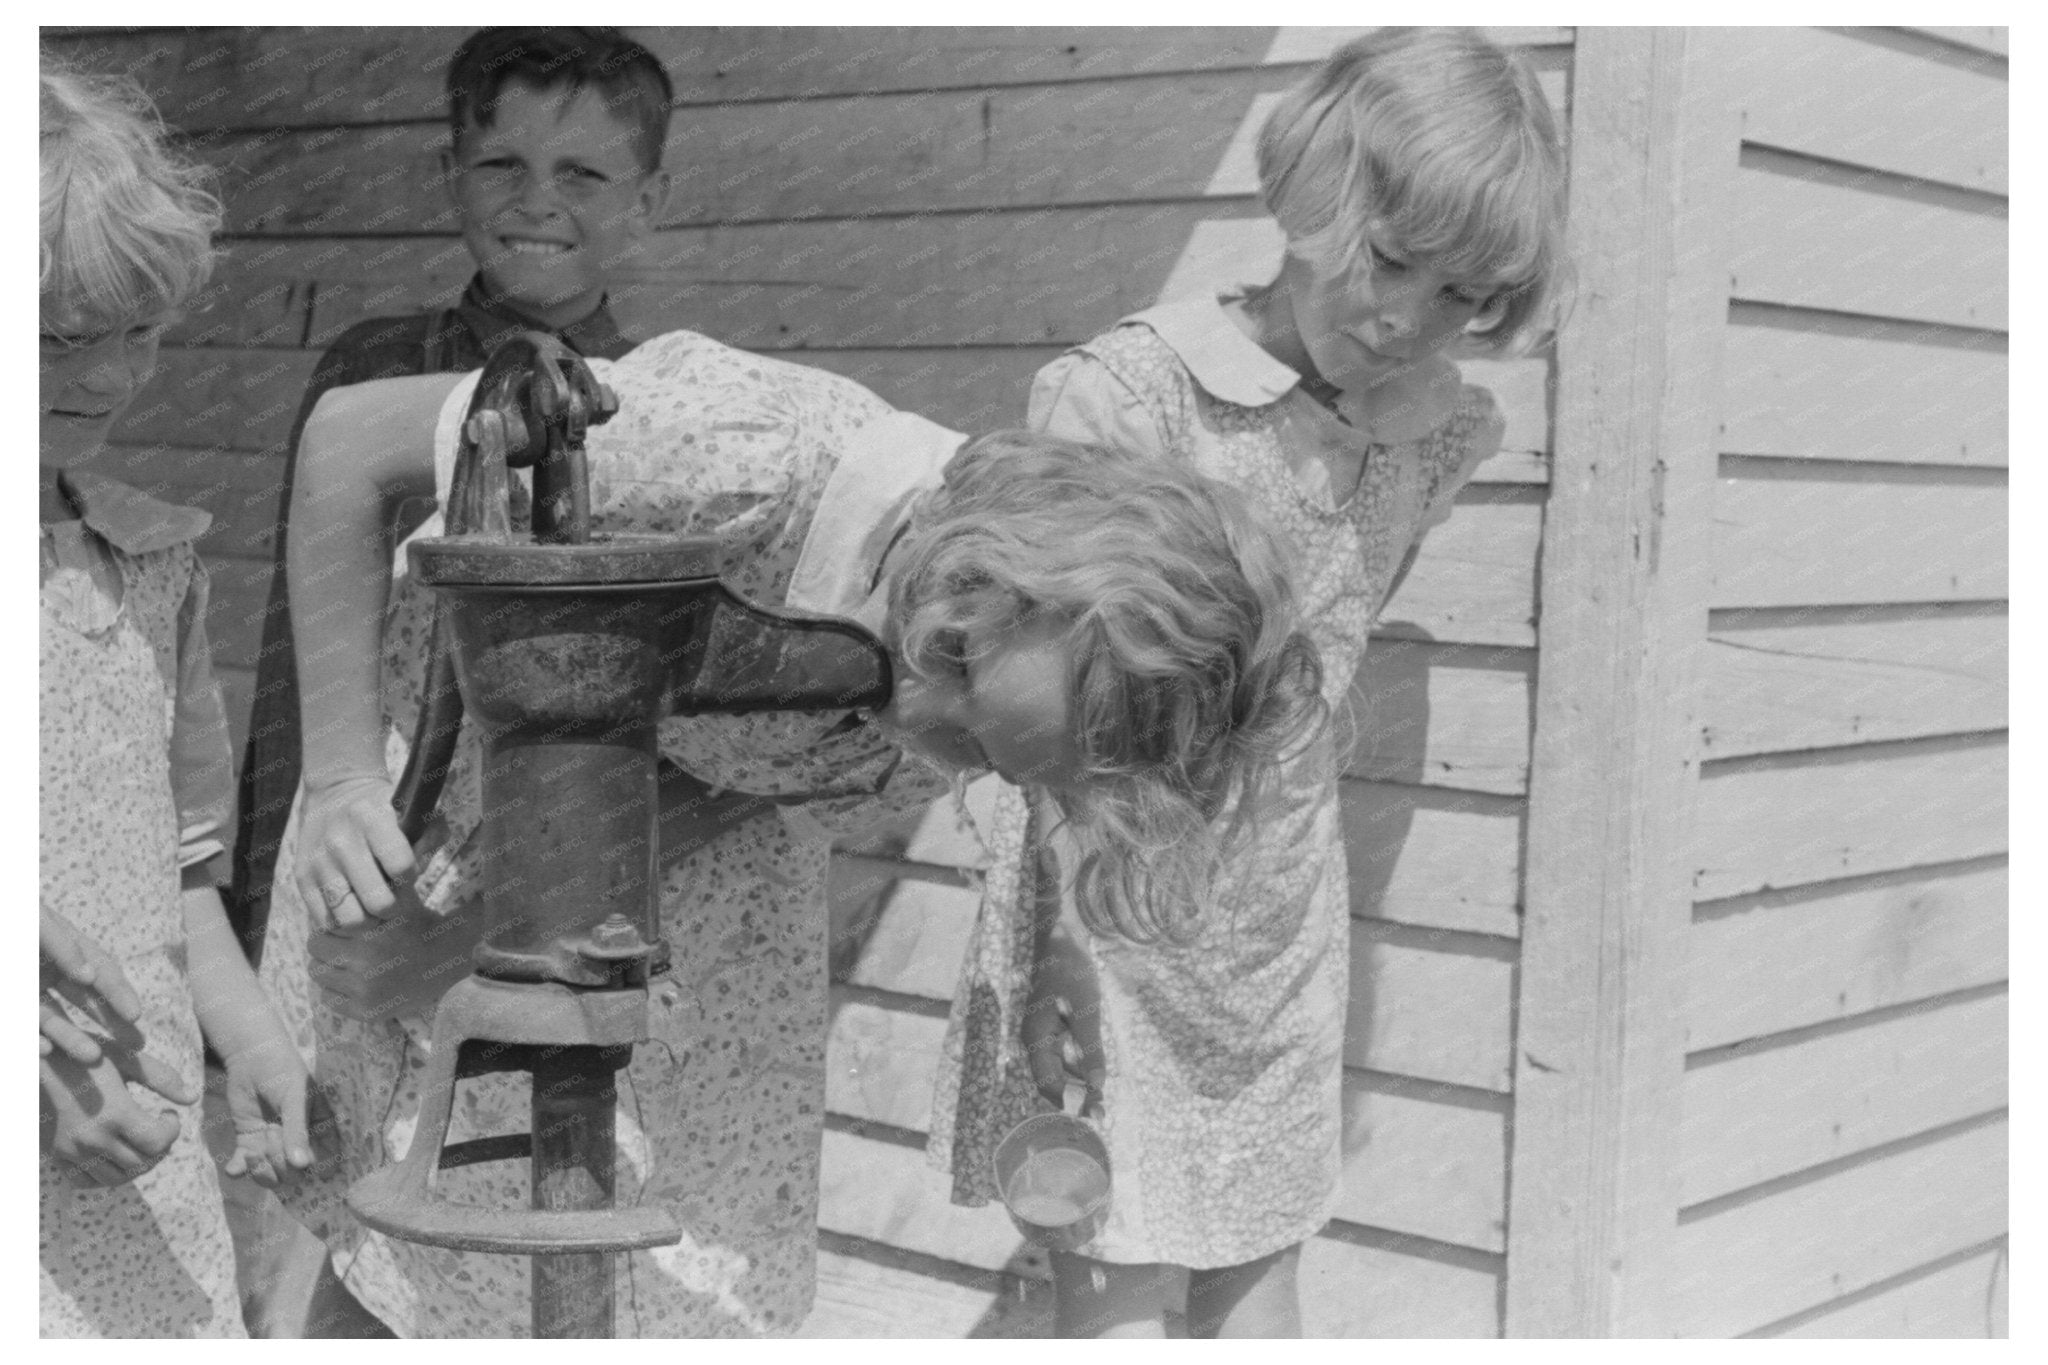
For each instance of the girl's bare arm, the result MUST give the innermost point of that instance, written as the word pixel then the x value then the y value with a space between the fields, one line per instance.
pixel 363 446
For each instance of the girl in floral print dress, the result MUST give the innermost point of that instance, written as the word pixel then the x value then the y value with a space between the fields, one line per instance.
pixel 1037 596
pixel 135 778
pixel 1418 181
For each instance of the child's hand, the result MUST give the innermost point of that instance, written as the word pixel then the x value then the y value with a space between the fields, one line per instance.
pixel 350 851
pixel 266 1096
pixel 93 1125
pixel 1062 1025
pixel 77 969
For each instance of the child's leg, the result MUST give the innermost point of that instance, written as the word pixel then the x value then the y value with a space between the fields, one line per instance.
pixel 1256 1299
pixel 1100 1299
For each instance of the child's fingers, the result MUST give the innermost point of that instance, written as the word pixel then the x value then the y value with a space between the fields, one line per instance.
pixel 258 1157
pixel 63 947
pixel 297 1140
pixel 1044 1036
pixel 122 1148
pixel 365 878
pixel 388 842
pixel 92 975
pixel 60 1034
pixel 150 1071
pixel 251 1159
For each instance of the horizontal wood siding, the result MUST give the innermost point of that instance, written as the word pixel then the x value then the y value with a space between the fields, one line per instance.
pixel 1752 1261
pixel 1836 1091
pixel 1957 1296
pixel 1810 679
pixel 1781 960
pixel 1842 1153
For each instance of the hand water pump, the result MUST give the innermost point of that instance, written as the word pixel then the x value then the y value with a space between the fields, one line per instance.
pixel 568 647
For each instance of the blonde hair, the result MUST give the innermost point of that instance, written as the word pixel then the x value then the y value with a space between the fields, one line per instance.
pixel 1443 141
pixel 1191 680
pixel 127 228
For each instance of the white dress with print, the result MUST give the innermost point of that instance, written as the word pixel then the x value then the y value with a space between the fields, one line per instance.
pixel 1222 1102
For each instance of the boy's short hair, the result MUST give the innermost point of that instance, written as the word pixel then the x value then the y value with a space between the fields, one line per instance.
pixel 127 227
pixel 626 76
pixel 1445 137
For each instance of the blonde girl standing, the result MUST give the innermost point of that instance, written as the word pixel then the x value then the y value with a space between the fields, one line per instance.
pixel 135 777
pixel 1419 183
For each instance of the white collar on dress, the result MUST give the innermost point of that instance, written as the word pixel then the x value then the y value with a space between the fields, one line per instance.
pixel 1231 366
pixel 865 505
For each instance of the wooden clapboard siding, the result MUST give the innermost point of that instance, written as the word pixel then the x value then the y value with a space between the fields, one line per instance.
pixel 1421 1159
pixel 1788 535
pixel 227 78
pixel 1813 679
pixel 1425 1159
pixel 234 78
pixel 1841 96
pixel 1431 1003
pixel 1404 686
pixel 1760 1257
pixel 836 157
pixel 1842 1148
pixel 1474 579
pixel 1845 812
pixel 1779 1105
pixel 1958 1296
pixel 877 1186
pixel 1819 386
pixel 1434 857
pixel 1354 1283
pixel 1781 960
pixel 1981 39
pixel 868 1290
pixel 1812 235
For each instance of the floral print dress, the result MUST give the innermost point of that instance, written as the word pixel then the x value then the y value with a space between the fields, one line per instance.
pixel 1221 1106
pixel 721 1115
pixel 135 777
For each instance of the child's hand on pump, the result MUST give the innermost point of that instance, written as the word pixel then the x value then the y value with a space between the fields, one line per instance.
pixel 351 852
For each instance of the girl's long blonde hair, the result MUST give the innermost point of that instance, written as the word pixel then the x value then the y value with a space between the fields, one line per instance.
pixel 1191 680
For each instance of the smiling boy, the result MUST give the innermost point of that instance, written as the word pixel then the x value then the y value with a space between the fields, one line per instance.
pixel 554 174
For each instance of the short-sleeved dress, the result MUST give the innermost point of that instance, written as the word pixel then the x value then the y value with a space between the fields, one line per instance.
pixel 1222 1103
pixel 801 473
pixel 135 784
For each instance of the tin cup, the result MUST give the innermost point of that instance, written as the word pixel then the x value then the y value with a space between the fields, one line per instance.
pixel 1052 1171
